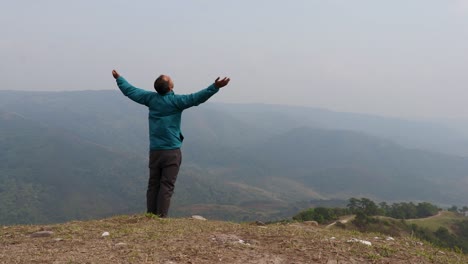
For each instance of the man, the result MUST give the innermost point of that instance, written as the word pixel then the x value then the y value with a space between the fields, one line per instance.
pixel 165 111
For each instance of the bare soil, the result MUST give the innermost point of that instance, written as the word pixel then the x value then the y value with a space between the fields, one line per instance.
pixel 146 239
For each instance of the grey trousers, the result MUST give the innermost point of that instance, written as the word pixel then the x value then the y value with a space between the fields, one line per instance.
pixel 164 166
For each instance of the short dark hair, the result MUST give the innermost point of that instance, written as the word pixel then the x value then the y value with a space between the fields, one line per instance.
pixel 161 86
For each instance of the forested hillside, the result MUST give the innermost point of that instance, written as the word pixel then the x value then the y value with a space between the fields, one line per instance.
pixel 75 155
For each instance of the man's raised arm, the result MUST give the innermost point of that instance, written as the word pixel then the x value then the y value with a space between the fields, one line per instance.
pixel 136 94
pixel 189 100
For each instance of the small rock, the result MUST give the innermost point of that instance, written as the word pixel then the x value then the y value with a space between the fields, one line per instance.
pixel 376 238
pixel 332 238
pixel 353 240
pixel 42 234
pixel 105 234
pixel 120 245
pixel 58 239
pixel 198 217
pixel 390 239
pixel 259 223
pixel 243 242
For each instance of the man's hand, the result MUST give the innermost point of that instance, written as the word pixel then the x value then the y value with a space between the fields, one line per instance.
pixel 115 74
pixel 221 83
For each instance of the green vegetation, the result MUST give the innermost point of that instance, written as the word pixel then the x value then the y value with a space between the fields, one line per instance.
pixel 445 218
pixel 444 229
pixel 396 210
pixel 322 215
pixel 443 237
pixel 409 210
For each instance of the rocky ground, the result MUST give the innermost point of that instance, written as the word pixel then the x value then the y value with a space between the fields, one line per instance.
pixel 147 239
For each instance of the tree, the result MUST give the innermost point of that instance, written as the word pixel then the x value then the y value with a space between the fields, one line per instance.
pixel 305 215
pixel 454 208
pixel 426 209
pixel 353 205
pixel 363 205
pixel 384 208
pixel 369 207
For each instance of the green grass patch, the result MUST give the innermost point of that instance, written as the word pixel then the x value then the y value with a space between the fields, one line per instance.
pixel 445 219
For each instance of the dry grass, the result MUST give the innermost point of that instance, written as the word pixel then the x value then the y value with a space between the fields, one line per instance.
pixel 153 240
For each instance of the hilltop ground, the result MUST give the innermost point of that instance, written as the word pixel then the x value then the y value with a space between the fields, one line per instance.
pixel 442 219
pixel 145 239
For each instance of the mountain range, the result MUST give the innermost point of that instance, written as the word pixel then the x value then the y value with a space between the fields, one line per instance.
pixel 83 155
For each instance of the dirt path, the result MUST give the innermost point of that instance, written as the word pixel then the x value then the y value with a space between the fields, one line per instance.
pixel 348 218
pixel 434 216
pixel 343 221
pixel 429 217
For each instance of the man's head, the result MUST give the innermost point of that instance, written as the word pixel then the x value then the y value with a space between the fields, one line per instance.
pixel 163 84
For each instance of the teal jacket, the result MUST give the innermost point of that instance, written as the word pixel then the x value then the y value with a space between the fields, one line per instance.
pixel 165 112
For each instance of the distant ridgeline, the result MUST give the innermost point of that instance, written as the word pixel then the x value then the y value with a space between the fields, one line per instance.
pixel 82 155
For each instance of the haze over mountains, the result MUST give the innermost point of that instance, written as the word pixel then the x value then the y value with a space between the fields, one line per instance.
pixel 78 155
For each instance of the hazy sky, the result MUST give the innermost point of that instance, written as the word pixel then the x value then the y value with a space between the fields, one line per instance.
pixel 403 58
